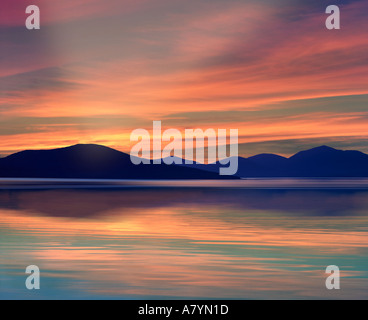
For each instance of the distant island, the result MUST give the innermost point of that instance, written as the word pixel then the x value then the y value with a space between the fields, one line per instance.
pixel 91 161
pixel 99 162
pixel 319 162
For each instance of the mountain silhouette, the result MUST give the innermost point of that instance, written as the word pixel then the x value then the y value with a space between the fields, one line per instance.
pixel 98 162
pixel 325 161
pixel 91 162
pixel 319 162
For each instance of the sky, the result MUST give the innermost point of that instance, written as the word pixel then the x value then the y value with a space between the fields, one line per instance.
pixel 96 70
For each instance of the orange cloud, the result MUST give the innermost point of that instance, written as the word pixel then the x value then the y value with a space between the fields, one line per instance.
pixel 230 58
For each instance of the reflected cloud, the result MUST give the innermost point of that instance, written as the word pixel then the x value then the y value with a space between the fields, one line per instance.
pixel 98 202
pixel 184 243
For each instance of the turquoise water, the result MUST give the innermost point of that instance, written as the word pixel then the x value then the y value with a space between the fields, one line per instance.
pixel 230 240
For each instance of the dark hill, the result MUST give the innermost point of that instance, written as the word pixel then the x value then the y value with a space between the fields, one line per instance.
pixel 320 162
pixel 91 162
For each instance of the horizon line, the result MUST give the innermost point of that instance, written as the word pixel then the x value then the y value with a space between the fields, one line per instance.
pixel 183 158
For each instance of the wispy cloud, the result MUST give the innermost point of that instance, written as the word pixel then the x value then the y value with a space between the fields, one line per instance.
pixel 269 68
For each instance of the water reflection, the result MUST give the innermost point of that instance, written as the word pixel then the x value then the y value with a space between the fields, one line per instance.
pixel 95 202
pixel 184 242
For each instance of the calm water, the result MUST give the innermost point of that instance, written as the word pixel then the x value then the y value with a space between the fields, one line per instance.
pixel 258 239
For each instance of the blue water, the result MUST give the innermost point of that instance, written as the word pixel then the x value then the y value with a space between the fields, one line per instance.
pixel 249 239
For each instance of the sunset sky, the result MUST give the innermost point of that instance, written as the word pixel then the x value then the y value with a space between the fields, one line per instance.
pixel 98 69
